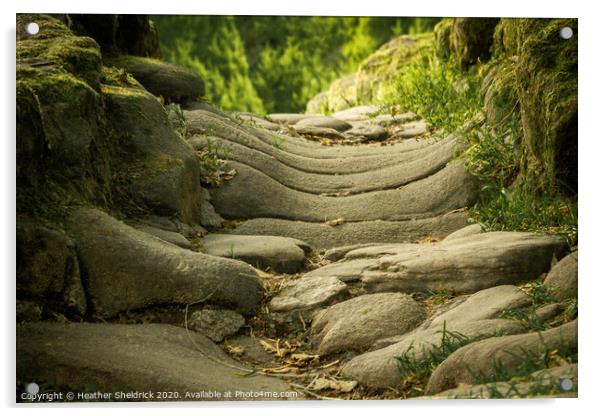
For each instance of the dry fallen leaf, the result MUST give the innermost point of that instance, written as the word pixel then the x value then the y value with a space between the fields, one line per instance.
pixel 235 350
pixel 335 222
pixel 342 386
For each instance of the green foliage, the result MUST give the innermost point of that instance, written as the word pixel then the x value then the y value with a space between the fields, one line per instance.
pixel 267 63
pixel 437 91
pixel 506 204
pixel 435 297
pixel 211 46
pixel 418 367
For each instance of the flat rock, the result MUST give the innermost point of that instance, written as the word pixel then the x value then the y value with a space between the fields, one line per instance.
pixel 162 78
pixel 308 293
pixel 129 269
pixel 255 120
pixel 215 324
pixel 463 265
pixel 353 325
pixel 358 113
pixel 168 236
pixel 253 194
pixel 114 358
pixel 466 363
pixel 412 129
pixel 366 132
pixel 321 236
pixel 289 119
pixel 549 380
pixel 387 120
pixel 314 131
pixel 563 278
pixel 280 254
pixel 469 230
pixel 323 121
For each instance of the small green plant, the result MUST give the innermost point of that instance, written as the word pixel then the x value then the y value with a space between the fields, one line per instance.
pixel 278 141
pixel 437 91
pixel 179 121
pixel 231 252
pixel 418 366
pixel 211 162
pixel 526 362
pixel 435 296
pixel 527 317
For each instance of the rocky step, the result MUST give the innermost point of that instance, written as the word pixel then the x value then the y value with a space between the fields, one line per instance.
pixel 472 317
pixel 252 194
pixel 464 265
pixel 111 358
pixel 299 151
pixel 325 236
pixel 386 177
pixel 278 254
pixel 481 358
pixel 127 269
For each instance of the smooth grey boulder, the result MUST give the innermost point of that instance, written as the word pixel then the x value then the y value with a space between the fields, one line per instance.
pixel 548 381
pixel 255 120
pixel 365 132
pixel 563 278
pixel 253 194
pixel 472 316
pixel 279 254
pixel 469 230
pixel 321 236
pixel 308 293
pixel 463 265
pixel 161 78
pixel 289 119
pixel 323 121
pixel 113 358
pixel 379 369
pixel 169 236
pixel 411 129
pixel 353 325
pixel 215 324
pixel 357 113
pixel 387 120
pixel 48 268
pixel 156 168
pixel 480 358
pixel 129 269
pixel 319 132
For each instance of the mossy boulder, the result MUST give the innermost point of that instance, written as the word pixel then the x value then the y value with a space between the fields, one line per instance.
pixel 116 34
pixel 443 31
pixel 499 90
pixel 377 72
pixel 48 269
pixel 172 82
pixel 545 67
pixel 471 39
pixel 62 137
pixel 154 165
